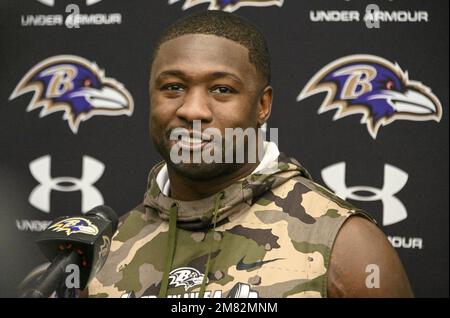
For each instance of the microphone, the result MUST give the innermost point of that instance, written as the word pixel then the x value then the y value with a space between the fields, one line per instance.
pixel 83 241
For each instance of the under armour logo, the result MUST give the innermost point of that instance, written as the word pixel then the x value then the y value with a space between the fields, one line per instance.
pixel 91 197
pixel 394 180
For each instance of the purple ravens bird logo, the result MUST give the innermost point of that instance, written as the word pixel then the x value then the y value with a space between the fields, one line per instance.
pixel 376 89
pixel 75 86
pixel 229 5
pixel 74 225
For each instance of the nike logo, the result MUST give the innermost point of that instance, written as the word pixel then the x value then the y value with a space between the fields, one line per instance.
pixel 241 266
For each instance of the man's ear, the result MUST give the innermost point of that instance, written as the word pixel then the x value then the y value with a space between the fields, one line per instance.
pixel 264 104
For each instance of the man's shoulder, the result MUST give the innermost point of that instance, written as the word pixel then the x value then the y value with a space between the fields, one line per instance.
pixel 136 229
pixel 316 200
pixel 138 210
pixel 132 223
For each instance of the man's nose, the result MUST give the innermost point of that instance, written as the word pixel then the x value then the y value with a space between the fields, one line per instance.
pixel 195 107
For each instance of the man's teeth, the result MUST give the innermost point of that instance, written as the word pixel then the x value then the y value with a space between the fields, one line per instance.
pixel 191 140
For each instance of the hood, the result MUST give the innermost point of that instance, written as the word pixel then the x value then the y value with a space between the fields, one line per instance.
pixel 198 214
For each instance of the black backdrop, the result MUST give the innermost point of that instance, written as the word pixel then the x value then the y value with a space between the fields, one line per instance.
pixel 300 47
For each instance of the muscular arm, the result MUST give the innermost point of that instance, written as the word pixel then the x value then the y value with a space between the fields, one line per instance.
pixel 358 244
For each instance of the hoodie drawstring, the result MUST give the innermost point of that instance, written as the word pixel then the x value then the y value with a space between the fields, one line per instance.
pixel 170 250
pixel 208 262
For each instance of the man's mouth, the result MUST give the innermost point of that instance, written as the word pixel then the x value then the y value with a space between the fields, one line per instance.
pixel 192 141
pixel 191 144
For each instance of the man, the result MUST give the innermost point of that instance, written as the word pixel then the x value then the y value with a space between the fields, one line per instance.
pixel 241 229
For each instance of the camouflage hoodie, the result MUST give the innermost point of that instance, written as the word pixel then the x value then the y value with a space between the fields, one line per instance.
pixel 269 234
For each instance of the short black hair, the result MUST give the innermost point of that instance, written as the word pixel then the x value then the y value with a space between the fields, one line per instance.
pixel 226 25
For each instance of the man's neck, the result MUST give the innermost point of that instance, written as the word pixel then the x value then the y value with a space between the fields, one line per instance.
pixel 187 189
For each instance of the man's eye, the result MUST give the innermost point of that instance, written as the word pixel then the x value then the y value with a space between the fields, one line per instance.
pixel 222 90
pixel 173 87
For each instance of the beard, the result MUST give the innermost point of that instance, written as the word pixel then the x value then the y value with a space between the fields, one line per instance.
pixel 204 171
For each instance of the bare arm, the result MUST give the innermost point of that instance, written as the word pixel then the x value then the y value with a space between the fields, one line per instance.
pixel 361 252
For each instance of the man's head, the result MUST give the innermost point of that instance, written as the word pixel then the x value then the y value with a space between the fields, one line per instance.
pixel 213 67
pixel 226 25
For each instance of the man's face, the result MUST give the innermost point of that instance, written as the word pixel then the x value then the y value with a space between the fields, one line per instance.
pixel 206 78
